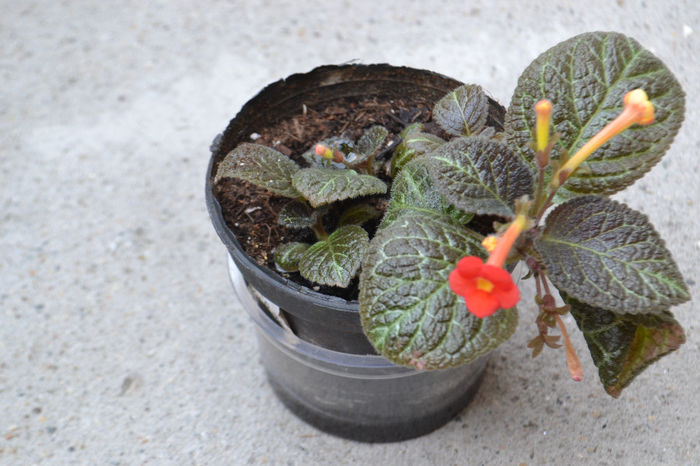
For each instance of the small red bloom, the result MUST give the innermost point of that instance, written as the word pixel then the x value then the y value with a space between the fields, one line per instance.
pixel 486 288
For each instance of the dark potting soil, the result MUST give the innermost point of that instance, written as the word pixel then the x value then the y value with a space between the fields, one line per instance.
pixel 251 212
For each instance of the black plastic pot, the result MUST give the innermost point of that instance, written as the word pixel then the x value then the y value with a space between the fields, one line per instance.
pixel 360 397
pixel 326 370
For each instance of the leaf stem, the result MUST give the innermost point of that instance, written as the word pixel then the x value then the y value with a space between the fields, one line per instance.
pixel 544 283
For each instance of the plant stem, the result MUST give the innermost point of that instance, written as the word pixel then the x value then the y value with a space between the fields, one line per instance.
pixel 370 165
pixel 319 231
pixel 543 208
pixel 539 193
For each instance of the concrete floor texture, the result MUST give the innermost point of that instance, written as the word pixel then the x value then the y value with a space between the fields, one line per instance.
pixel 121 341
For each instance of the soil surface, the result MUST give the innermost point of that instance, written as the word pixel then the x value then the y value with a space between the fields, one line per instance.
pixel 251 212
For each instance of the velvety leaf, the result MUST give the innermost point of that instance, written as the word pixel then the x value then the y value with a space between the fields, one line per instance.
pixel 371 140
pixel 408 310
pixel 325 185
pixel 413 190
pixel 358 214
pixel 262 166
pixel 622 346
pixel 414 142
pixel 480 175
pixel 335 261
pixel 586 78
pixel 297 214
pixel 463 111
pixel 344 145
pixel 607 255
pixel 287 255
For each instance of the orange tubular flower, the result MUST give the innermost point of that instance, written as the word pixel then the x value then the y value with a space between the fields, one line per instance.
pixel 638 109
pixel 487 287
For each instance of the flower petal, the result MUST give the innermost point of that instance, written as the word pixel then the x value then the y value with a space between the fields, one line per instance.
pixel 480 303
pixel 498 276
pixel 460 284
pixel 507 298
pixel 470 266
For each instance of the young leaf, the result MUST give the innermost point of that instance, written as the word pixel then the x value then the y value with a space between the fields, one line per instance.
pixel 413 191
pixel 464 111
pixel 407 308
pixel 622 346
pixel 414 142
pixel 371 140
pixel 325 185
pixel 297 214
pixel 480 175
pixel 262 166
pixel 358 214
pixel 607 255
pixel 335 261
pixel 586 78
pixel 287 255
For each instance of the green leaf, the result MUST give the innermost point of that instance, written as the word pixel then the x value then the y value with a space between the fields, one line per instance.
pixel 297 214
pixel 262 166
pixel 607 255
pixel 622 346
pixel 414 143
pixel 408 310
pixel 480 175
pixel 463 111
pixel 358 214
pixel 413 191
pixel 287 255
pixel 344 145
pixel 336 260
pixel 586 78
pixel 325 185
pixel 371 140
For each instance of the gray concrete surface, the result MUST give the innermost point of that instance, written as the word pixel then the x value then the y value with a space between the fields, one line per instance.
pixel 120 339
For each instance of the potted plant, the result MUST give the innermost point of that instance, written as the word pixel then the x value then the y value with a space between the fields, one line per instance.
pixel 452 203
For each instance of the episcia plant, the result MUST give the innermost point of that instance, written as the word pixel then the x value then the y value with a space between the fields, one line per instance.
pixel 588 117
pixel 338 170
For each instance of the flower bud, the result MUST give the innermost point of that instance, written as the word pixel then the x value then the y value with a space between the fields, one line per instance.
pixel 543 108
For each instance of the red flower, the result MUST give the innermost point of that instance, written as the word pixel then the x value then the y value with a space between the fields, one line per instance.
pixel 485 287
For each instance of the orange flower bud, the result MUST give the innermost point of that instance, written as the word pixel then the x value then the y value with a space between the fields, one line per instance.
pixel 323 151
pixel 543 108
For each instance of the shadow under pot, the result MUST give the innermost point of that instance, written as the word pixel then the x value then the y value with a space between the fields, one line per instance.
pixel 317 359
